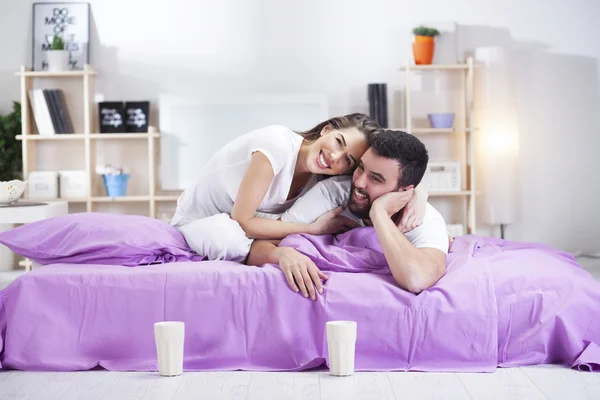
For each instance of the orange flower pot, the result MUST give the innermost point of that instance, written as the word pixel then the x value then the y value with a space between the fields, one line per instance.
pixel 423 48
pixel 424 39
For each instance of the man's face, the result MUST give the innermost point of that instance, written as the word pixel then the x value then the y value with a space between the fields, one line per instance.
pixel 374 176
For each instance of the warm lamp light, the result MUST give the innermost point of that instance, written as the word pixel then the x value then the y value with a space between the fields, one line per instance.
pixel 498 141
pixel 504 142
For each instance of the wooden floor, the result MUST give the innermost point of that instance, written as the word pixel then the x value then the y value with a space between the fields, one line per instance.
pixel 531 383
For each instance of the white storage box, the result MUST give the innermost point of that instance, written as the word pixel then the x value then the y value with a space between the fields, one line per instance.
pixel 73 183
pixel 443 177
pixel 456 229
pixel 42 185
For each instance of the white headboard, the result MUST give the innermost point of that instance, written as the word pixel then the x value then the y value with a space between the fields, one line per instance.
pixel 193 129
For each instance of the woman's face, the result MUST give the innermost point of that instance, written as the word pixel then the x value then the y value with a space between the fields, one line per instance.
pixel 336 151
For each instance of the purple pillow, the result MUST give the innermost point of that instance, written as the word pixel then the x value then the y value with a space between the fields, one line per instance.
pixel 99 238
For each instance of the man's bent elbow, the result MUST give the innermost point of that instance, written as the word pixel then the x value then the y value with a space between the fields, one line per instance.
pixel 415 286
pixel 418 282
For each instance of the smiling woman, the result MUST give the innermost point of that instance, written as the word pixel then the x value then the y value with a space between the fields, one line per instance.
pixel 349 133
pixel 265 171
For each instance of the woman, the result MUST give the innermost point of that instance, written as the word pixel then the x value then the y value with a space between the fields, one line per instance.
pixel 264 172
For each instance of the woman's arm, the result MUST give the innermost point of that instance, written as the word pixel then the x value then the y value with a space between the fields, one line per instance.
pixel 251 193
pixel 253 189
pixel 413 213
pixel 301 273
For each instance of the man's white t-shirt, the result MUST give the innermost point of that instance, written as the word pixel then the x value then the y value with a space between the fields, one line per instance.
pixel 216 189
pixel 335 191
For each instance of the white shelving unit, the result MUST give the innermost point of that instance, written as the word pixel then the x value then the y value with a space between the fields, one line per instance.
pixel 465 134
pixel 89 139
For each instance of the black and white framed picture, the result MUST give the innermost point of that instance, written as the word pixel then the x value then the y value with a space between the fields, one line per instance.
pixel 71 21
pixel 112 116
pixel 137 113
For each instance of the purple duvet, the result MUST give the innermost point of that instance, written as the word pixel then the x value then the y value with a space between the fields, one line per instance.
pixel 500 304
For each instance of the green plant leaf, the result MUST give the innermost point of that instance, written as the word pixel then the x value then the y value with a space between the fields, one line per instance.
pixel 10 148
pixel 58 43
pixel 425 31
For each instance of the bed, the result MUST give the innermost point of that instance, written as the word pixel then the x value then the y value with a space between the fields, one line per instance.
pixel 500 304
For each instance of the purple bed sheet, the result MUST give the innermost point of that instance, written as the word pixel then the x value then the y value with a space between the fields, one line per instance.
pixel 500 304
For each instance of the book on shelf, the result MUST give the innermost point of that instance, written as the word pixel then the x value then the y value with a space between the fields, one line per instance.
pixel 50 111
pixel 137 115
pixel 377 97
pixel 111 116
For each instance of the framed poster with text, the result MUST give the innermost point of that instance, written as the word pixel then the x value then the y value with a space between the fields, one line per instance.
pixel 71 21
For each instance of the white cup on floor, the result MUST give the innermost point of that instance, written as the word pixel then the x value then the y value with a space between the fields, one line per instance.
pixel 341 343
pixel 169 337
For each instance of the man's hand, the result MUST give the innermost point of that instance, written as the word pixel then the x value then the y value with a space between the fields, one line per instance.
pixel 392 202
pixel 414 269
pixel 300 272
pixel 332 223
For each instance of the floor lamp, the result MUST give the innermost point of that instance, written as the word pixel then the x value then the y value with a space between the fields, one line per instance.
pixel 498 141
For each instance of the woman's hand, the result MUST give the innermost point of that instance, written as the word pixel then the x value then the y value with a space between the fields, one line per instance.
pixel 414 212
pixel 301 273
pixel 391 202
pixel 332 223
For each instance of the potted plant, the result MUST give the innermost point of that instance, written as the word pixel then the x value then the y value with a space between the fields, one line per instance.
pixel 424 44
pixel 10 147
pixel 58 56
pixel 10 167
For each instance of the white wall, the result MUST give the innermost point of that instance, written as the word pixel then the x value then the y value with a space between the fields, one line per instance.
pixel 142 49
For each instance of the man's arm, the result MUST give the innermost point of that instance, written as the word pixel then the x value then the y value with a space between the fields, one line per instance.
pixel 414 269
pixel 325 196
pixel 263 252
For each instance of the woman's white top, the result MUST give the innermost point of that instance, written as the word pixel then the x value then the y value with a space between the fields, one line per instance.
pixel 218 183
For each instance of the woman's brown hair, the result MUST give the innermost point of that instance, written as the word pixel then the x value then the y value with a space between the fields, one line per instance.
pixel 363 123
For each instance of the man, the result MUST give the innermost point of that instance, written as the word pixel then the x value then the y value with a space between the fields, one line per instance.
pixel 380 188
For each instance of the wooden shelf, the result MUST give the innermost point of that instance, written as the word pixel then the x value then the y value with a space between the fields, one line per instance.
pixel 127 136
pixel 436 67
pixel 60 136
pixel 448 193
pixel 120 199
pixel 133 199
pixel 107 199
pixel 95 136
pixel 168 198
pixel 424 131
pixel 57 74
pixel 466 156
pixel 87 135
pixel 420 131
pixel 173 197
pixel 67 199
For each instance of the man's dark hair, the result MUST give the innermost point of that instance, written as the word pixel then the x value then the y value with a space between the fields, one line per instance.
pixel 405 148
